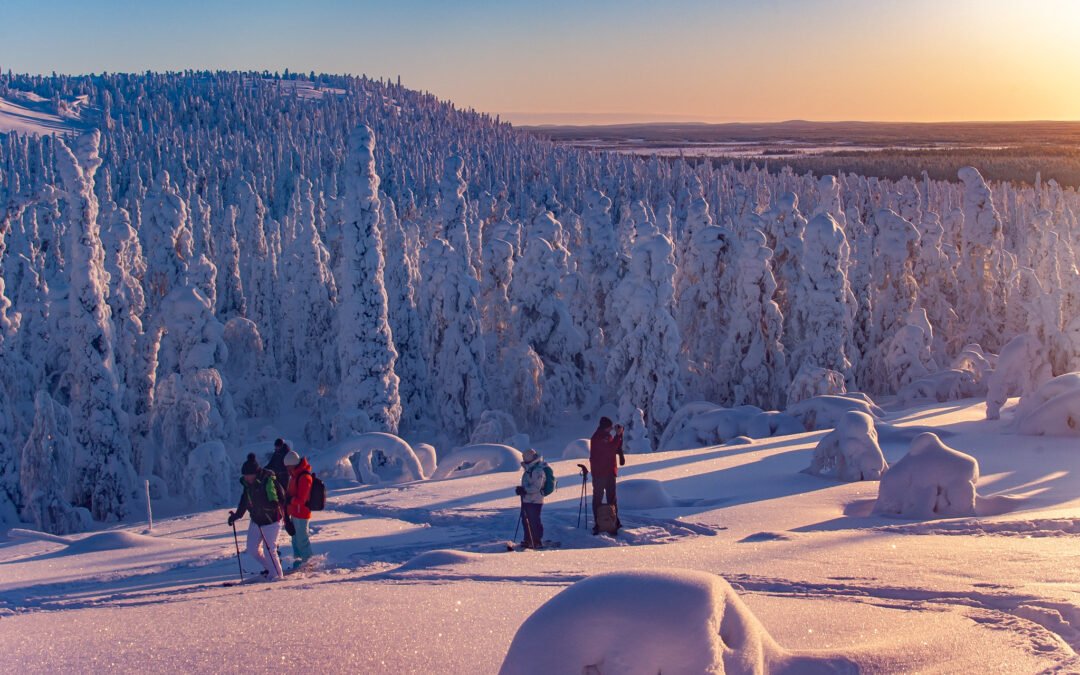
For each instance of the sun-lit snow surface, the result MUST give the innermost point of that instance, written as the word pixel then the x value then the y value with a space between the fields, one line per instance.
pixel 414 577
pixel 27 113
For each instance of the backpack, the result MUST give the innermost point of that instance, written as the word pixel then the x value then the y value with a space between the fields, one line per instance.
pixel 549 481
pixel 317 499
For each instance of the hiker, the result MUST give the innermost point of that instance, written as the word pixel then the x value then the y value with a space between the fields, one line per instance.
pixel 277 462
pixel 531 492
pixel 265 500
pixel 297 514
pixel 604 446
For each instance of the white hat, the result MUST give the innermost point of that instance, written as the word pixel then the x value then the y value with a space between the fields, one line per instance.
pixel 291 458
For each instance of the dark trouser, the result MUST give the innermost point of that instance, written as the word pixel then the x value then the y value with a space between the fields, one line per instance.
pixel 603 485
pixel 534 529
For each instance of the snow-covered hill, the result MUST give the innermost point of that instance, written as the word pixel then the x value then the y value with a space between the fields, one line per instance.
pixel 414 578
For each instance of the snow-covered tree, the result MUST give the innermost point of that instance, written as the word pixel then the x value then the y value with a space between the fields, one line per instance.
pixel 45 475
pixel 368 398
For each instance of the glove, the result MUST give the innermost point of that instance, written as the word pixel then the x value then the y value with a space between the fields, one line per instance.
pixel 232 518
pixel 622 460
pixel 289 527
pixel 519 491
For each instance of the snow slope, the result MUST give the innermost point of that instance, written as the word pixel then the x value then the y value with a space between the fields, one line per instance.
pixel 27 113
pixel 414 577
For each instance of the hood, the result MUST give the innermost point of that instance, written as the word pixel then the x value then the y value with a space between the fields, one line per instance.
pixel 300 468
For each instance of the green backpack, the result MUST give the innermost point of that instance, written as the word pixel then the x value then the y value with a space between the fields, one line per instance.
pixel 549 481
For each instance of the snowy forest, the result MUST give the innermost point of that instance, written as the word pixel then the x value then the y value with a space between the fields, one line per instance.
pixel 210 251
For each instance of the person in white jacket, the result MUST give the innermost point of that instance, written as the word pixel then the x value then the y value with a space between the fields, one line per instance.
pixel 531 492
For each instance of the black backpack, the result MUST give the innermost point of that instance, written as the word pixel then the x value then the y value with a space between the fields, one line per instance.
pixel 317 499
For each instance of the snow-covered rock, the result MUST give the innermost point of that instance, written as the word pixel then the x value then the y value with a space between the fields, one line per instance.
pixel 850 452
pixel 578 448
pixel 429 459
pixel 931 481
pixel 643 493
pixel 473 460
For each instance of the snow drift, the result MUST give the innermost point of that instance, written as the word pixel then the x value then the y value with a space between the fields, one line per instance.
pixel 850 452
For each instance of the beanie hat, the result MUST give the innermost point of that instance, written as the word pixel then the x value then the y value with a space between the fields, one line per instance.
pixel 251 466
pixel 605 422
pixel 278 442
pixel 291 458
pixel 529 456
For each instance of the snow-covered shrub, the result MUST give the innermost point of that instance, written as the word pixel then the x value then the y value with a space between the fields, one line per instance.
pixel 698 424
pixel 495 426
pixel 475 460
pixel 1053 409
pixel 425 452
pixel 945 385
pixel 824 412
pixel 850 452
pixel 812 381
pixel 772 423
pixel 1022 366
pixel 646 622
pixel 374 457
pixel 931 481
pixel 578 448
pixel 643 493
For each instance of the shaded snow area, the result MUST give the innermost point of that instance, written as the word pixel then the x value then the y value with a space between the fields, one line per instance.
pixel 731 559
pixel 27 113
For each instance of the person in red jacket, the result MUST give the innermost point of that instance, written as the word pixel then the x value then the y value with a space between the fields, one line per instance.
pixel 298 515
pixel 604 447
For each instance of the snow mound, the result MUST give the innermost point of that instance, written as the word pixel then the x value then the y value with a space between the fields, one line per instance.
pixel 114 541
pixel 1051 410
pixel 370 458
pixel 945 385
pixel 438 558
pixel 824 412
pixel 578 448
pixel 850 452
pixel 703 424
pixel 931 481
pixel 813 381
pixel 647 622
pixel 643 493
pixel 425 452
pixel 474 460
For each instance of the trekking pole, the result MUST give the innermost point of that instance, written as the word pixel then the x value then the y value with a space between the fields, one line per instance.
pixel 581 502
pixel 521 516
pixel 236 542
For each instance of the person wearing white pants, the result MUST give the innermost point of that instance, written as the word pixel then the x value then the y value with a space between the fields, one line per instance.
pixel 262 538
pixel 265 499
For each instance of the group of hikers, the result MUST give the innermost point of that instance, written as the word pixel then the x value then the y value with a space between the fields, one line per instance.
pixel 274 495
pixel 278 495
pixel 605 458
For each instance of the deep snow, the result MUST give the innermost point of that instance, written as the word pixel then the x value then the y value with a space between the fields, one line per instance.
pixel 414 577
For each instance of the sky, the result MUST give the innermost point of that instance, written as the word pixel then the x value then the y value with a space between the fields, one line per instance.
pixel 603 61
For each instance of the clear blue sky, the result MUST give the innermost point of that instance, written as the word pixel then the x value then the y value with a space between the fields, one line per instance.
pixel 603 59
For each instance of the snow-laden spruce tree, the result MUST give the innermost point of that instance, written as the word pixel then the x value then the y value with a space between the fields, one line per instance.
pixel 46 468
pixel 542 319
pixel 164 228
pixel 104 480
pixel 453 338
pixel 752 353
pixel 824 311
pixel 368 397
pixel 401 278
pixel 980 305
pixel 230 292
pixel 454 210
pixel 643 367
pixel 896 294
pixel 936 278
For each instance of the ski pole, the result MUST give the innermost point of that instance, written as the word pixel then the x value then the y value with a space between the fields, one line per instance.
pixel 581 502
pixel 236 542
